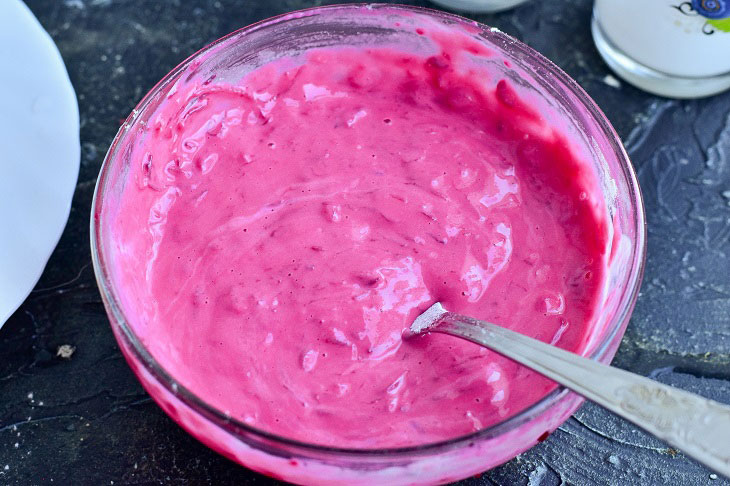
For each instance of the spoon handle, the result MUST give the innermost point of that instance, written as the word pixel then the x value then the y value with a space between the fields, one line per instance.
pixel 697 426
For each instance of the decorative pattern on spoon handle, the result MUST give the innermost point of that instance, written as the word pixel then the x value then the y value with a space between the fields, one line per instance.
pixel 679 417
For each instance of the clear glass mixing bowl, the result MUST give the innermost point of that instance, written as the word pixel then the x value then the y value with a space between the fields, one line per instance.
pixel 550 90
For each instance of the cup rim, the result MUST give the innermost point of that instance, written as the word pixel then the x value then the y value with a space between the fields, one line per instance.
pixel 243 431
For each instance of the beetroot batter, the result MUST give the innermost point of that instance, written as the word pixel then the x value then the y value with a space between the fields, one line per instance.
pixel 278 234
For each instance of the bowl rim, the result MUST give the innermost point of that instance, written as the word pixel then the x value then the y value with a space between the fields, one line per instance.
pixel 243 431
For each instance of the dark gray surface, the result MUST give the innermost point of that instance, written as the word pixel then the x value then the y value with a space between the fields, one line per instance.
pixel 86 420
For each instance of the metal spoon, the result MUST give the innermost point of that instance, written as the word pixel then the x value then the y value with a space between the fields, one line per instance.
pixel 689 422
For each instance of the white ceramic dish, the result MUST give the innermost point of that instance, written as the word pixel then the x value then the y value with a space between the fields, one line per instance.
pixel 39 151
pixel 478 6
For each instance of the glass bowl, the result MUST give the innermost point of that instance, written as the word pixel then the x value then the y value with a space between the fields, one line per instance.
pixel 550 90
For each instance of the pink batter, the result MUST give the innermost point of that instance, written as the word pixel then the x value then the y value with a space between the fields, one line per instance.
pixel 278 234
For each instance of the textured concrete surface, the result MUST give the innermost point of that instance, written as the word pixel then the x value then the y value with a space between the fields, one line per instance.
pixel 71 412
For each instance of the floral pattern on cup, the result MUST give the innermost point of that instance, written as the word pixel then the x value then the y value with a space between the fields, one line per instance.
pixel 717 13
pixel 712 9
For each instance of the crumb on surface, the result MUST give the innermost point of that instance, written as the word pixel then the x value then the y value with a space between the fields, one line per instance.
pixel 65 351
pixel 611 81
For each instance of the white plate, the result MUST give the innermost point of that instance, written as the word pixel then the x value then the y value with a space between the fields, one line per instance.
pixel 39 151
